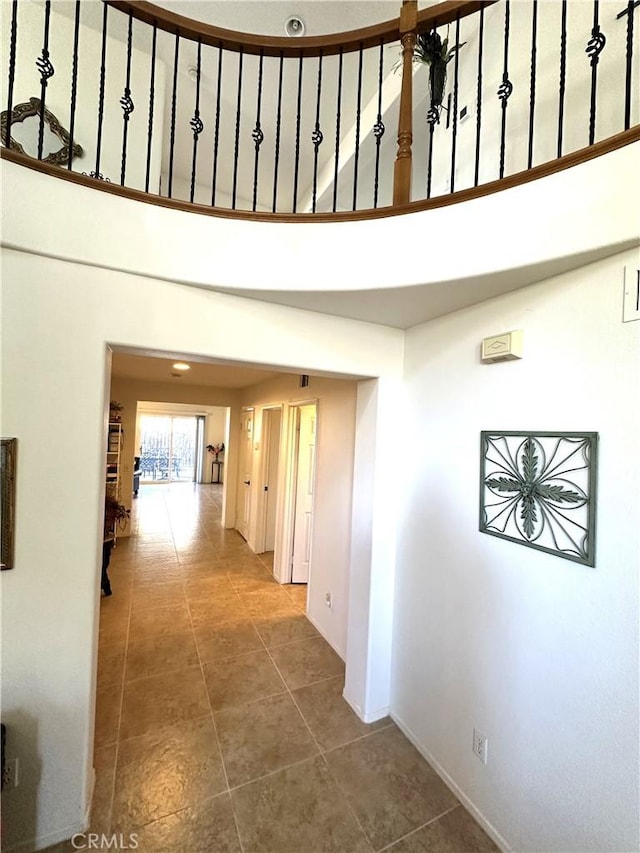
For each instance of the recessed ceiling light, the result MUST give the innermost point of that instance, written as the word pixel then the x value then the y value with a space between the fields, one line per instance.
pixel 294 26
pixel 180 365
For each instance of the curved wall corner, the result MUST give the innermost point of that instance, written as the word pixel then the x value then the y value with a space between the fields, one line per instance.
pixel 590 206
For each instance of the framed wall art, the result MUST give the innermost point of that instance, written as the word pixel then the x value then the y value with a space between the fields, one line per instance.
pixel 539 489
pixel 8 459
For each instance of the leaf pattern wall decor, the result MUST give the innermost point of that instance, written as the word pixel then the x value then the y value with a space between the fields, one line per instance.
pixel 539 489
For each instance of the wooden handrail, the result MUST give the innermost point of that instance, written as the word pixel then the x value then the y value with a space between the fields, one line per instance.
pixel 612 143
pixel 388 31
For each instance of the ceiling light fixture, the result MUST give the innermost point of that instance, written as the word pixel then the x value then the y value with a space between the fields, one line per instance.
pixel 294 26
pixel 180 365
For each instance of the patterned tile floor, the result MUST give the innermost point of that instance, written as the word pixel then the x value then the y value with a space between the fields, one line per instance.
pixel 221 726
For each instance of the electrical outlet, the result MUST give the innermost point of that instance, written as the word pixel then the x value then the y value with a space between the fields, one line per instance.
pixel 328 600
pixel 10 775
pixel 480 745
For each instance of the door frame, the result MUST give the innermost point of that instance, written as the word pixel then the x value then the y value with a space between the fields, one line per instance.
pixel 239 476
pixel 266 440
pixel 282 563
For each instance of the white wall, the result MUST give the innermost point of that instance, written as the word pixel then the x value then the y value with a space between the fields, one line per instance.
pixel 58 95
pixel 129 392
pixel 610 91
pixel 539 653
pixel 60 319
pixel 331 535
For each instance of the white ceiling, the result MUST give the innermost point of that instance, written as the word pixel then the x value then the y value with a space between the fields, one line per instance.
pixel 157 368
pixel 267 17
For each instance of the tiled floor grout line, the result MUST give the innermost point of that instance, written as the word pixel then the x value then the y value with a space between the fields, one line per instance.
pixel 117 750
pixel 234 564
pixel 418 828
pixel 347 799
pixel 216 733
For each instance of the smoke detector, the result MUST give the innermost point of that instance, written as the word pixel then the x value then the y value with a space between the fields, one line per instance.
pixel 294 26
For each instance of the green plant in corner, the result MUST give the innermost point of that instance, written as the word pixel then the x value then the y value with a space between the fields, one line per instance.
pixel 435 52
pixel 115 515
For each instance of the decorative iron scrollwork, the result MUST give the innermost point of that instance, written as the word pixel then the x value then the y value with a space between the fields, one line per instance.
pixel 379 129
pixel 505 89
pixel 539 489
pixel 257 135
pixel 196 124
pixel 98 176
pixel 433 116
pixel 595 45
pixel 317 137
pixel 127 104
pixel 44 66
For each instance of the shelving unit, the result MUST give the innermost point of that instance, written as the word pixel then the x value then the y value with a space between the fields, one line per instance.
pixel 112 470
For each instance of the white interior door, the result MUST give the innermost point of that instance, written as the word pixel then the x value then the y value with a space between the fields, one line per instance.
pixel 244 474
pixel 271 423
pixel 305 478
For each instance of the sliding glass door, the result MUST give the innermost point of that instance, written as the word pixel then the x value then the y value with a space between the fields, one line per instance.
pixel 169 451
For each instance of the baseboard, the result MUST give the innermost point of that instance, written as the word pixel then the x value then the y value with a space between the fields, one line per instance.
pixel 372 717
pixel 89 804
pixel 43 841
pixel 335 648
pixel 488 827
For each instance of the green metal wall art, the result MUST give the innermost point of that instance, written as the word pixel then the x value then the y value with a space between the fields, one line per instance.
pixel 539 489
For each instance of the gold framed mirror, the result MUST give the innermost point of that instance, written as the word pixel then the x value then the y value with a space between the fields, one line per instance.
pixel 25 130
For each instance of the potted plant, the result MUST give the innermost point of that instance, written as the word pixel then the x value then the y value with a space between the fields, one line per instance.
pixel 114 411
pixel 431 50
pixel 115 515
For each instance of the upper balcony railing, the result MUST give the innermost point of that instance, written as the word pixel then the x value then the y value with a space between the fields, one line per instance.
pixel 439 105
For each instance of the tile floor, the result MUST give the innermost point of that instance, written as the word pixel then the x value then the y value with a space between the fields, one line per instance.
pixel 221 726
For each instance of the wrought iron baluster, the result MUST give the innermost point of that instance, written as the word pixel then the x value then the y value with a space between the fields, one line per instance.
pixel 257 134
pixel 378 127
pixel 479 97
pixel 74 82
pixel 126 103
pixel 152 94
pixel 196 124
pixel 276 162
pixel 563 74
pixel 103 59
pixel 236 151
pixel 12 69
pixel 317 135
pixel 338 117
pixel 44 66
pixel 296 169
pixel 532 87
pixel 631 5
pixel 432 119
pixel 506 87
pixel 356 157
pixel 172 138
pixel 216 135
pixel 454 131
pixel 594 48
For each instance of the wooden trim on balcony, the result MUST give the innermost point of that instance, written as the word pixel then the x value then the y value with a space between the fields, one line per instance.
pixel 388 31
pixel 626 137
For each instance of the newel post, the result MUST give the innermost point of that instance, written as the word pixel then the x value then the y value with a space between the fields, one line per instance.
pixel 402 167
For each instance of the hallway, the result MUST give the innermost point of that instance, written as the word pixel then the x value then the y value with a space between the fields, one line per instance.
pixel 220 722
